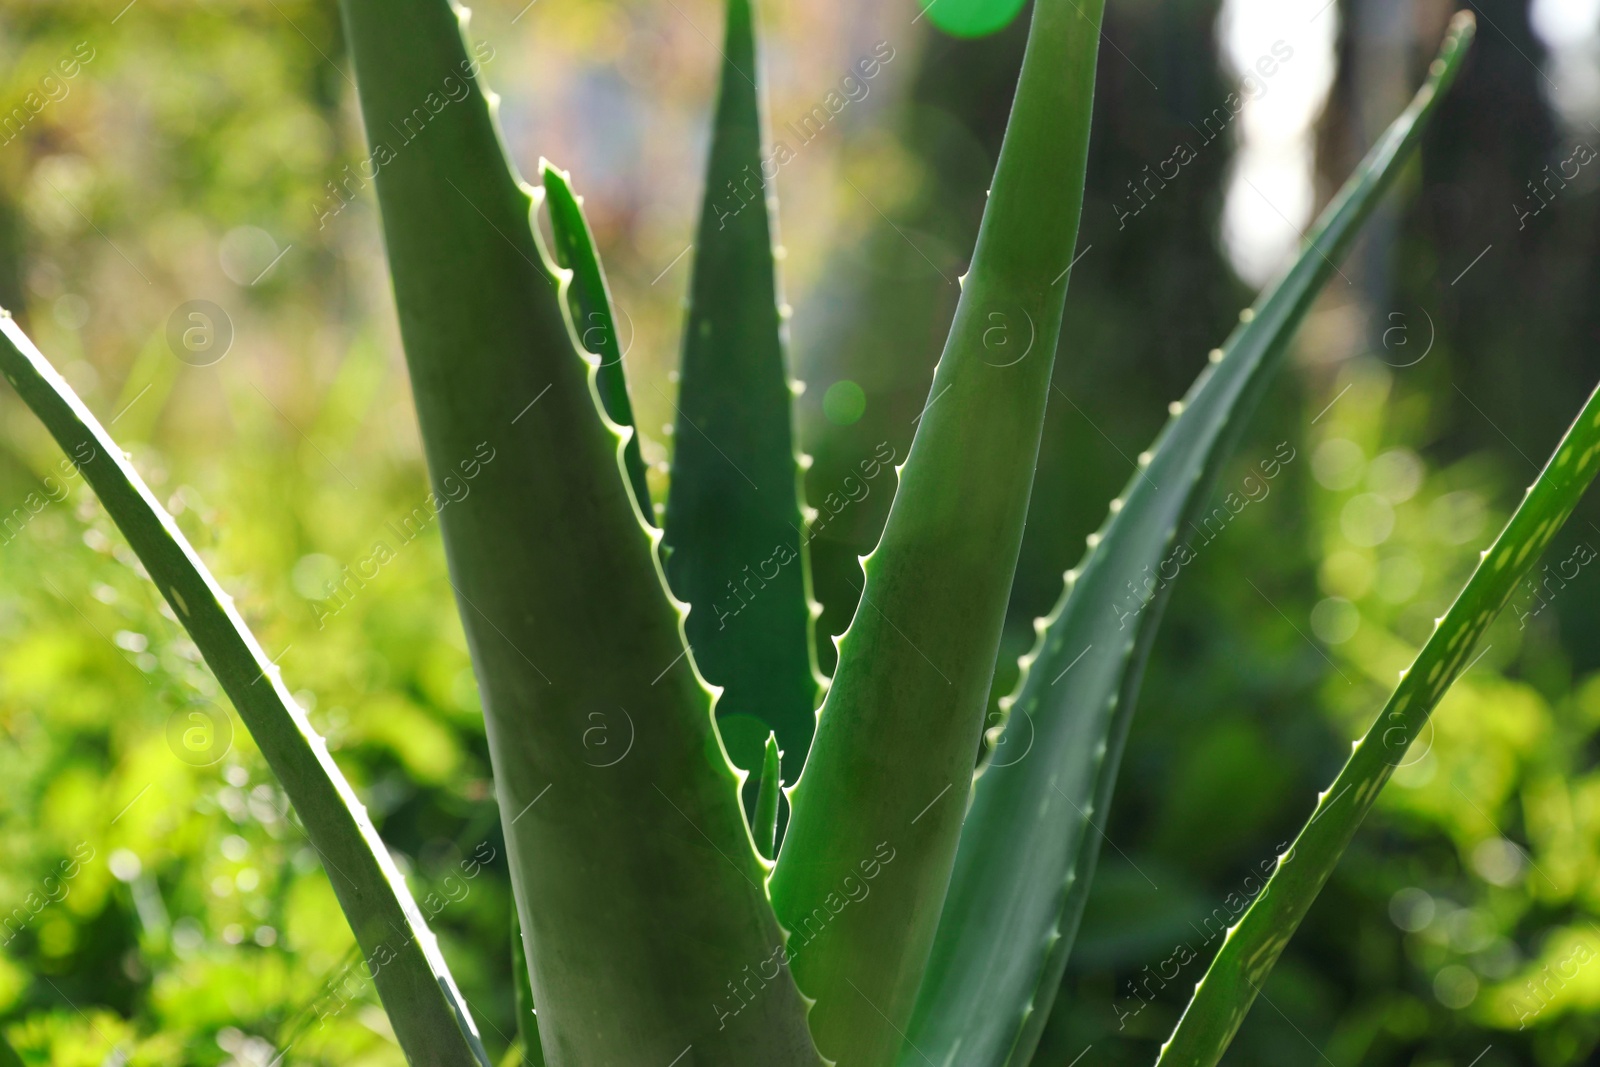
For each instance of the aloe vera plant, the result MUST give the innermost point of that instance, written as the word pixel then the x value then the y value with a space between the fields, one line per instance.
pixel 908 910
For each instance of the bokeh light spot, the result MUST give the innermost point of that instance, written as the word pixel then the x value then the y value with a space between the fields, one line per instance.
pixel 844 403
pixel 971 18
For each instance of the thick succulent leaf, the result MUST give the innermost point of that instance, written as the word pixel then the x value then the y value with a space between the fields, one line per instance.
pixel 734 548
pixel 886 785
pixel 430 1019
pixel 1030 842
pixel 639 888
pixel 770 787
pixel 1251 947
pixel 595 319
pixel 529 1052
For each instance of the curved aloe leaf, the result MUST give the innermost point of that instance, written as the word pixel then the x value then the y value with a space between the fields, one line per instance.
pixel 765 826
pixel 529 1052
pixel 887 780
pixel 734 549
pixel 1251 948
pixel 430 1019
pixel 595 320
pixel 1029 846
pixel 638 886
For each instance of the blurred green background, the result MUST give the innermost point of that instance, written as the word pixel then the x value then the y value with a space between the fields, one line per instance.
pixel 158 904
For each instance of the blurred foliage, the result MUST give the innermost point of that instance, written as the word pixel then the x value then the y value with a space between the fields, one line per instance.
pixel 156 911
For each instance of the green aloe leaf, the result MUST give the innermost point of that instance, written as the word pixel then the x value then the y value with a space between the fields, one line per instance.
pixel 595 319
pixel 734 549
pixel 1231 983
pixel 527 1050
pixel 765 826
pixel 874 819
pixel 1028 850
pixel 639 889
pixel 1251 948
pixel 430 1019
